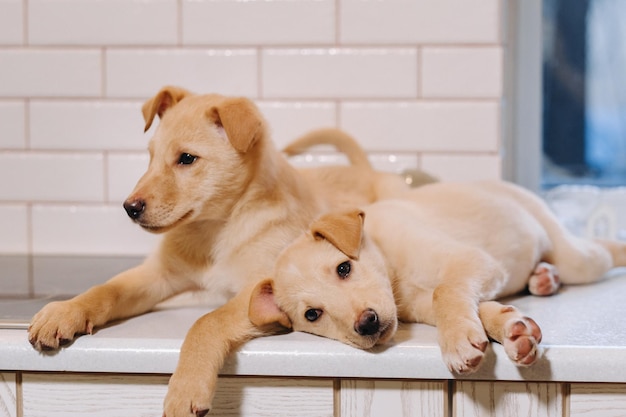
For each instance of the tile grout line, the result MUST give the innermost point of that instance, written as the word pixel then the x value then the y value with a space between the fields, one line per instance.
pixel 259 72
pixel 19 395
pixel 103 69
pixel 179 23
pixel 25 8
pixel 30 249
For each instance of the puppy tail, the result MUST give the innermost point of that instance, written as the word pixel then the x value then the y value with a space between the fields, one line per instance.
pixel 337 138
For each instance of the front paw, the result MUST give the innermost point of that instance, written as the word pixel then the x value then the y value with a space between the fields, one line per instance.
pixel 57 324
pixel 188 396
pixel 463 346
pixel 521 340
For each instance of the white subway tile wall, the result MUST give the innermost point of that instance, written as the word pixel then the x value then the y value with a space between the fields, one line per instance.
pixel 97 22
pixel 462 72
pixel 12 124
pixel 50 72
pixel 424 126
pixel 71 229
pixel 379 73
pixel 140 72
pixel 14 227
pixel 278 22
pixel 96 125
pixel 418 82
pixel 420 22
pixel 11 22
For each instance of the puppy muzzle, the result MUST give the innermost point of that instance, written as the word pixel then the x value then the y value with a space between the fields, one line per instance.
pixel 368 323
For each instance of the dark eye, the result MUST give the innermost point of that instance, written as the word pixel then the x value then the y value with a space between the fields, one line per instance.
pixel 343 269
pixel 312 314
pixel 186 159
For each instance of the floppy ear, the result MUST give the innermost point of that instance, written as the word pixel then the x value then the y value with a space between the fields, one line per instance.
pixel 241 120
pixel 263 310
pixel 344 230
pixel 165 98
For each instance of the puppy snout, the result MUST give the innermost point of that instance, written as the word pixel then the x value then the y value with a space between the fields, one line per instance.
pixel 368 323
pixel 134 208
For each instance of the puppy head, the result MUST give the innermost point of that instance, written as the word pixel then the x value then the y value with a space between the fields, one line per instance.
pixel 201 158
pixel 331 282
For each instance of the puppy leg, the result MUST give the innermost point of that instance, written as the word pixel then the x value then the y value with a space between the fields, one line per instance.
pixel 462 338
pixel 206 346
pixel 519 335
pixel 544 280
pixel 468 276
pixel 132 292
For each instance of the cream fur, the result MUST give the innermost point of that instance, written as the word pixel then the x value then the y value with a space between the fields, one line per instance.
pixel 440 255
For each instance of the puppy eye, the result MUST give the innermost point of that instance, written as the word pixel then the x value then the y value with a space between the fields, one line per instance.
pixel 186 159
pixel 343 269
pixel 312 314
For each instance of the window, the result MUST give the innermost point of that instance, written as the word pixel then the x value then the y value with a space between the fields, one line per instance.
pixel 567 109
pixel 568 93
pixel 584 93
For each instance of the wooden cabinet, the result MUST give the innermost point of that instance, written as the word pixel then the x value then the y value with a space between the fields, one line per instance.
pixel 597 400
pixel 8 395
pixel 129 395
pixel 508 399
pixel 73 395
pixel 103 395
pixel 275 397
pixel 379 398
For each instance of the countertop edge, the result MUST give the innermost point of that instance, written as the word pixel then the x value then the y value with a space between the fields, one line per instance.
pixel 309 356
pixel 584 340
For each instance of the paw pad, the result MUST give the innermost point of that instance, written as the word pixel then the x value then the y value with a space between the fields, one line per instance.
pixel 544 280
pixel 522 340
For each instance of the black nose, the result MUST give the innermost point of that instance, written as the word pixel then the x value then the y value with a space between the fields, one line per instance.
pixel 368 323
pixel 134 208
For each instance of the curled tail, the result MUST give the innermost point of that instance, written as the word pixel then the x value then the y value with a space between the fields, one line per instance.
pixel 337 138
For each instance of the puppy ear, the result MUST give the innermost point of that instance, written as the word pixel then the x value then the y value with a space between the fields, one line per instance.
pixel 344 230
pixel 242 121
pixel 164 99
pixel 263 310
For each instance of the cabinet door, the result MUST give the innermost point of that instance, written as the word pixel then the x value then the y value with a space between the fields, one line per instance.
pixel 8 405
pixel 74 395
pixel 366 398
pixel 275 397
pixel 597 400
pixel 507 399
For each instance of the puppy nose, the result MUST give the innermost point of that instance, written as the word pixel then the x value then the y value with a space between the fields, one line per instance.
pixel 134 208
pixel 368 323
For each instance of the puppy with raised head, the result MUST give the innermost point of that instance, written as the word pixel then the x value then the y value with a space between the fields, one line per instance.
pixel 440 256
pixel 226 202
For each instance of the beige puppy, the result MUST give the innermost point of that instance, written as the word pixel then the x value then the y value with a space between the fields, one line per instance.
pixel 439 257
pixel 227 202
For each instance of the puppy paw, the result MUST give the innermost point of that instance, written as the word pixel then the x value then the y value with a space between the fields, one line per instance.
pixel 187 396
pixel 463 348
pixel 521 340
pixel 544 280
pixel 57 324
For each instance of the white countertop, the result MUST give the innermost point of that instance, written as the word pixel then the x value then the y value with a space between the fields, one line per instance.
pixel 584 340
